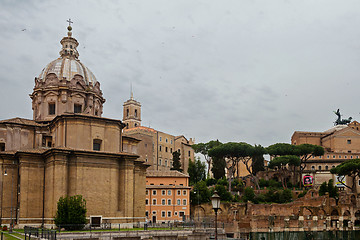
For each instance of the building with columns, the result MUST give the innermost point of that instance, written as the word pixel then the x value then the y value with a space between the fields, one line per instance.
pixel 68 148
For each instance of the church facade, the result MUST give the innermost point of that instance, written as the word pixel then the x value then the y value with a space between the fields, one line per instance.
pixel 69 149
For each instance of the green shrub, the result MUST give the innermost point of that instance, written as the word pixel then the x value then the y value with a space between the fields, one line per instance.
pixel 237 186
pixel 211 181
pixel 263 183
pixel 249 194
pixel 274 184
pixel 302 194
pixel 71 212
pixel 223 193
pixel 222 181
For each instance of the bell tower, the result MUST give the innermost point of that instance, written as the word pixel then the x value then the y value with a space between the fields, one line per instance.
pixel 132 113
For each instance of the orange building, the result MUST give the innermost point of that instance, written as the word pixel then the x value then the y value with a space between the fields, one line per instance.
pixel 167 196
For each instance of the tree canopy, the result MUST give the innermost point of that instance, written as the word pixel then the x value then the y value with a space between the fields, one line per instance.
pixel 218 167
pixel 349 168
pixel 203 148
pixel 176 161
pixel 200 193
pixel 232 153
pixel 283 164
pixel 304 151
pixel 196 171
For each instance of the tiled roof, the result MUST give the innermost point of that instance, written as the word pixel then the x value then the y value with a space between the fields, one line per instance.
pixel 152 173
pixel 140 128
pixel 22 121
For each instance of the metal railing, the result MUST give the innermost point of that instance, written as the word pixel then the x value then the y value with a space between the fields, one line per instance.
pixel 39 232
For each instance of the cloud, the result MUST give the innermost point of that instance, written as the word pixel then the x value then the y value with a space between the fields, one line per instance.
pixel 236 71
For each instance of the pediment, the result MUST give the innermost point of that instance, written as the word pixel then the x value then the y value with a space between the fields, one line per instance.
pixel 51 93
pixel 347 132
pixel 78 82
pixel 51 80
pixel 79 95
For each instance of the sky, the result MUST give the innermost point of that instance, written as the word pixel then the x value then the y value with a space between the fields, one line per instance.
pixel 243 71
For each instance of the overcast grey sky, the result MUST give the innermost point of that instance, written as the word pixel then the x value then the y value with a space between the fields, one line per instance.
pixel 253 71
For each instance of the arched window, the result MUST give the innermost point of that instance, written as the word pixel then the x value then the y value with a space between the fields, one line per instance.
pixel 51 108
pixel 135 112
pixel 97 144
pixel 127 112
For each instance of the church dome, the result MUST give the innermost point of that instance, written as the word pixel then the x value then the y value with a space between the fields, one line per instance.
pixel 68 65
pixel 66 68
pixel 66 85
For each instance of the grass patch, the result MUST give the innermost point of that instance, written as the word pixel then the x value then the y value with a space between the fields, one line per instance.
pixel 8 236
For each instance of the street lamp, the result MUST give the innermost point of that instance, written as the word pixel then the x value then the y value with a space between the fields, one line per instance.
pixel 215 201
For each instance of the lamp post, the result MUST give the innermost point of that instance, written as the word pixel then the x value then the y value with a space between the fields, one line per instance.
pixel 215 201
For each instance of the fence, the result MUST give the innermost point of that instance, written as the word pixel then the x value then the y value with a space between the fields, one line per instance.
pixel 39 232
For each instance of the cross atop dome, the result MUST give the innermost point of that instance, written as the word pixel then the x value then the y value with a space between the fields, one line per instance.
pixel 69 27
pixel 69 44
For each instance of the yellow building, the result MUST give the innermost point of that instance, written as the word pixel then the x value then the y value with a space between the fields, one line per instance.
pixel 167 196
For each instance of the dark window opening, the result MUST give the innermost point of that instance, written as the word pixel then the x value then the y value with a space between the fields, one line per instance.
pixel 77 108
pixel 96 144
pixel 135 124
pixel 51 108
pixel 96 113
pixel 2 147
pixel 127 112
pixel 166 149
pixel 349 141
pixel 95 221
pixel 135 112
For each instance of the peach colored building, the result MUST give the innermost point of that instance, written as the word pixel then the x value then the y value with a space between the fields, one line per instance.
pixel 167 196
pixel 68 149
pixel 156 147
pixel 341 143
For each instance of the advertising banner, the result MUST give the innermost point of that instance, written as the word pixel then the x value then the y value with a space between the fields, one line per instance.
pixel 308 180
pixel 339 181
